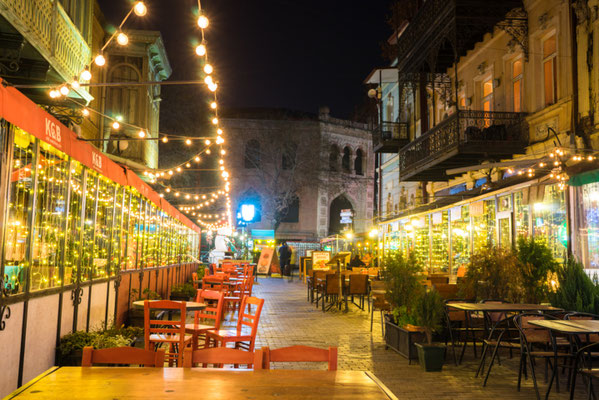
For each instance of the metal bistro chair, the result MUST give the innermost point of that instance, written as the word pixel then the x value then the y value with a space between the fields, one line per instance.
pixel 358 286
pixel 331 291
pixel 378 302
pixel 461 329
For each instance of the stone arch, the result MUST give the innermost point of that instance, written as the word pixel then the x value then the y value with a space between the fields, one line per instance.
pixel 334 158
pixel 346 159
pixel 339 203
pixel 359 161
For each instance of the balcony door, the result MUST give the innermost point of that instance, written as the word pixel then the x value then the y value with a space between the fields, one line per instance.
pixel 487 98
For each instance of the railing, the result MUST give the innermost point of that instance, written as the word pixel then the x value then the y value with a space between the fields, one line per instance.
pixel 393 133
pixel 486 130
pixel 46 25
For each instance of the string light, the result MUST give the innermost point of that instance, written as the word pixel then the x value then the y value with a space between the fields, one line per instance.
pixel 100 60
pixel 140 9
pixel 122 39
pixel 201 50
pixel 86 75
pixel 213 106
pixel 116 125
pixel 203 22
pixel 208 69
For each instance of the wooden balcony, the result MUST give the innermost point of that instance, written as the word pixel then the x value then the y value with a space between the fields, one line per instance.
pixel 465 138
pixel 389 137
pixel 45 26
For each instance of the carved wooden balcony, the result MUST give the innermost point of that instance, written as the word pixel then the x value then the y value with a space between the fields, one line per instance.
pixel 389 137
pixel 465 138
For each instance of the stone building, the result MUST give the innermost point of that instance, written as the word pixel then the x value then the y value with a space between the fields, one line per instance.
pixel 330 164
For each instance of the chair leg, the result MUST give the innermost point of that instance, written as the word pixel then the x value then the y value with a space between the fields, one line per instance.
pixel 534 377
pixel 491 364
pixel 382 325
pixel 371 317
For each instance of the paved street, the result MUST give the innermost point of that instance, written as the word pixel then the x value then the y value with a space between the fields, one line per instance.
pixel 288 319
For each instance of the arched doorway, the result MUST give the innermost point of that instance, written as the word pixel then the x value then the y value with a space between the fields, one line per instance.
pixel 339 203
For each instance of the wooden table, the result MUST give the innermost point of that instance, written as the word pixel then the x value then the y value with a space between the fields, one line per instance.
pixel 209 383
pixel 501 307
pixel 189 305
pixel 571 327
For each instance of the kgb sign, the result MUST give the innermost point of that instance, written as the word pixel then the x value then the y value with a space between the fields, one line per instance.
pixel 53 135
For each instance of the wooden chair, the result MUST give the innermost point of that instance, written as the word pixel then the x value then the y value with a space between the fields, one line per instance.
pixel 194 280
pixel 212 312
pixel 378 302
pixel 214 282
pixel 234 299
pixel 168 332
pixel 122 355
pixel 301 354
pixel 331 291
pixel 240 338
pixel 218 356
pixel 358 286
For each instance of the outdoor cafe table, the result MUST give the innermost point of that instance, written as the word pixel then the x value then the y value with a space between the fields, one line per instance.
pixel 189 305
pixel 209 383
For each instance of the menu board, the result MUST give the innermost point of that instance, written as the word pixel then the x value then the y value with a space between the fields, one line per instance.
pixel 320 259
pixel 265 260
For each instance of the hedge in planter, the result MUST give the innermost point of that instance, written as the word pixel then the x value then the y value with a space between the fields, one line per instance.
pixel 429 312
pixel 185 292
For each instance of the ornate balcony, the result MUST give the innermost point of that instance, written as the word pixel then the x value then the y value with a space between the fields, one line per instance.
pixel 45 26
pixel 465 138
pixel 389 137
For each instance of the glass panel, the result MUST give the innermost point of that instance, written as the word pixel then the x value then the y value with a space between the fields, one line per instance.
pixel 460 237
pixel 117 231
pixel 421 239
pixel 548 79
pixel 521 216
pixel 487 87
pixel 590 229
pixel 505 203
pixel 517 68
pixel 74 224
pixel 53 170
pixel 549 47
pixel 133 232
pixel 124 251
pixel 89 221
pixel 517 96
pixel 505 232
pixel 483 225
pixel 549 218
pixel 440 242
pixel 103 227
pixel 16 230
pixel 151 259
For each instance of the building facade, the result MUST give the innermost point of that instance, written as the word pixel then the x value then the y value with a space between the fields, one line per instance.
pixel 325 161
pixel 490 126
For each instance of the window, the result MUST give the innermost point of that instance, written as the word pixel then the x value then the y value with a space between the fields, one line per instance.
pixel 487 94
pixel 252 154
pixel 345 161
pixel 359 163
pixel 289 155
pixel 333 158
pixel 550 70
pixel 291 212
pixel 517 84
pixel 123 100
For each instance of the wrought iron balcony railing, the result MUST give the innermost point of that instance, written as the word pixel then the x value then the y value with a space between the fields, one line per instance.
pixel 46 25
pixel 389 137
pixel 464 138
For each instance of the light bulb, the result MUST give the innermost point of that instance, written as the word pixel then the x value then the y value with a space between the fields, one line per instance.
pixel 222 167
pixel 142 134
pixel 223 152
pixel 188 165
pixel 177 194
pixel 215 121
pixel 116 125
pixel 85 112
pixel 100 60
pixel 170 172
pixel 212 87
pixel 207 142
pixel 219 131
pixel 54 94
pixel 208 80
pixel 122 39
pixel 187 196
pixel 197 159
pixel 178 169
pixel 221 161
pixel 208 69
pixel 75 84
pixel 140 9
pixel 213 105
pixel 164 139
pixel 203 22
pixel 201 50
pixel 188 142
pixel 220 140
pixel 64 90
pixel 86 75
pixel 168 190
pixel 208 151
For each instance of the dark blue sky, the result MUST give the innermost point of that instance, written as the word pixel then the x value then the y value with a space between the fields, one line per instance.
pixel 296 54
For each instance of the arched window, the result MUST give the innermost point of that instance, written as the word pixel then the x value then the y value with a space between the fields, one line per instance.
pixel 252 154
pixel 289 155
pixel 291 212
pixel 345 161
pixel 124 100
pixel 333 158
pixel 359 163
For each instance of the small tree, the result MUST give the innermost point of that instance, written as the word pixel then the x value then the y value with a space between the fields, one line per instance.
pixel 536 264
pixel 576 290
pixel 429 311
pixel 403 283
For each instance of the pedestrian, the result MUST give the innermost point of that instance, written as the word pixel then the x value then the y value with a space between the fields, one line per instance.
pixel 284 257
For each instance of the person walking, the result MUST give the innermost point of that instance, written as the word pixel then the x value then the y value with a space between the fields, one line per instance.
pixel 284 257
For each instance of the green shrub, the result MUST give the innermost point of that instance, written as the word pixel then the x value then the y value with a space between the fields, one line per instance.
pixel 536 264
pixel 576 290
pixel 493 273
pixel 400 274
pixel 184 291
pixel 429 312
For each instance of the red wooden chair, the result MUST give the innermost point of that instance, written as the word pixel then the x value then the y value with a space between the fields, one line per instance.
pixel 168 332
pixel 234 299
pixel 214 282
pixel 194 280
pixel 218 356
pixel 211 312
pixel 241 339
pixel 122 355
pixel 301 354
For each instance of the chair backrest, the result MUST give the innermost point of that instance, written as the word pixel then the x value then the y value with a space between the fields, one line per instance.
pixel 359 270
pixel 214 282
pixel 222 355
pixel 453 314
pixel 332 283
pixel 301 354
pixel 358 284
pixel 320 274
pixel 167 328
pixel 215 301
pixel 530 333
pixel 122 355
pixel 246 318
pixel 495 317
pixel 194 280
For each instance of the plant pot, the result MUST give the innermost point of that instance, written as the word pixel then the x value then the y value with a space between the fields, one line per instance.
pixel 431 357
pixel 402 339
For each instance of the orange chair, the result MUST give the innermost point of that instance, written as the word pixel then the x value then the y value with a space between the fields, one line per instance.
pixel 301 354
pixel 169 332
pixel 123 356
pixel 194 280
pixel 240 338
pixel 214 282
pixel 234 298
pixel 211 312
pixel 222 355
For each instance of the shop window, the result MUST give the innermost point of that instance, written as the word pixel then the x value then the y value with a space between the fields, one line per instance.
pixel 460 237
pixel 152 226
pixel 48 226
pixel 549 220
pixel 333 158
pixel 590 227
pixel 421 233
pixel 117 232
pixel 346 160
pixel 76 201
pixel 133 215
pixel 252 154
pixel 89 221
pixel 289 155
pixel 550 69
pixel 440 242
pixel 123 100
pixel 359 163
pixel 517 84
pixel 522 215
pixel 483 224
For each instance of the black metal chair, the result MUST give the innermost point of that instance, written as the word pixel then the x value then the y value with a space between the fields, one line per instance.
pixel 358 286
pixel 461 329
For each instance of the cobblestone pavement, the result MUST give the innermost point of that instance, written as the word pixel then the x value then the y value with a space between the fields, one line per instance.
pixel 288 319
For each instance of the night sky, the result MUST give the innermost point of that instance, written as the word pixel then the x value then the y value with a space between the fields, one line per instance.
pixel 297 54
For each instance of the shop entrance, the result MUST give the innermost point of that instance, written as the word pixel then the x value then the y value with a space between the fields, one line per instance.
pixel 505 232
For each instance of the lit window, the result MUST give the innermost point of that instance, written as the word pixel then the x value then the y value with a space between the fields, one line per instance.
pixel 517 84
pixel 487 91
pixel 550 70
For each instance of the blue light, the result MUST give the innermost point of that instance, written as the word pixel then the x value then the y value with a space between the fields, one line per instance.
pixel 248 212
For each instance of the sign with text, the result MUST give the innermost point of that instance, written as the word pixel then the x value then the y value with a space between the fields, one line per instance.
pixel 346 216
pixel 320 259
pixel 265 260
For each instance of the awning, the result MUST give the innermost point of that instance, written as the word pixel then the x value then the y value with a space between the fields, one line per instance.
pixel 584 178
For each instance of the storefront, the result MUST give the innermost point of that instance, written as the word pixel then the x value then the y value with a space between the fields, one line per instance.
pixel 443 239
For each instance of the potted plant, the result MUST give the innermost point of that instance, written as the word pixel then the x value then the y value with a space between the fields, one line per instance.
pixel 185 292
pixel 574 290
pixel 402 279
pixel 429 311
pixel 135 316
pixel 537 267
